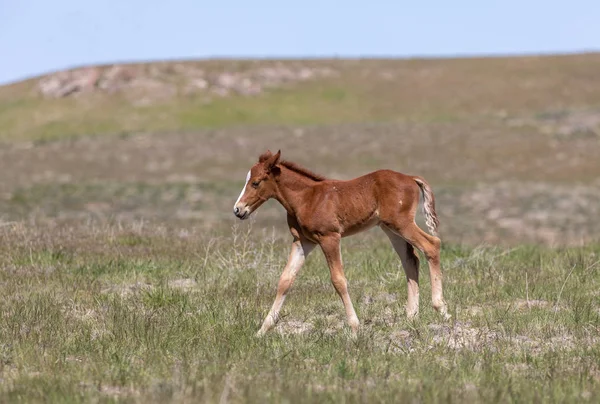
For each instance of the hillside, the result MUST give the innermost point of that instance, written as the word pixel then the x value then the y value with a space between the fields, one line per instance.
pixel 186 96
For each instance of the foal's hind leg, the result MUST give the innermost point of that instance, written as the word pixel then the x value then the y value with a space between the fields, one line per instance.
pixel 300 250
pixel 331 248
pixel 430 246
pixel 410 263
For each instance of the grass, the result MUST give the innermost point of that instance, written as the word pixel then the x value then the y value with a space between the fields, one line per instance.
pixel 155 317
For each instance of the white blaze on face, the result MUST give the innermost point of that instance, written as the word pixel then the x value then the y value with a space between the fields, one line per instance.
pixel 243 189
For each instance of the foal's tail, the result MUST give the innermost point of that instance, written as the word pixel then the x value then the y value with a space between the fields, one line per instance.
pixel 431 218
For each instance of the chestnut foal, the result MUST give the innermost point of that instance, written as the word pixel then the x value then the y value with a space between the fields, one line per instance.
pixel 321 211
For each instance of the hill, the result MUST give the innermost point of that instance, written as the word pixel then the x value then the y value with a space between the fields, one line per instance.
pixel 191 95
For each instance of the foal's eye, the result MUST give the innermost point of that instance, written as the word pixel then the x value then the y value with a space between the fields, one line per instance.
pixel 255 184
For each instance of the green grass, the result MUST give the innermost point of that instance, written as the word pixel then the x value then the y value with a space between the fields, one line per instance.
pixel 312 104
pixel 154 318
pixel 72 118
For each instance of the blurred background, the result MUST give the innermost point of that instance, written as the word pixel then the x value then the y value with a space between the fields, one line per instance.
pixel 150 113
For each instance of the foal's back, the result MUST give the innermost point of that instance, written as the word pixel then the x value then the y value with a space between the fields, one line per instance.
pixel 376 187
pixel 362 202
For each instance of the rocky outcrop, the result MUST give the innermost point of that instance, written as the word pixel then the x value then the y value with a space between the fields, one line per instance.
pixel 159 81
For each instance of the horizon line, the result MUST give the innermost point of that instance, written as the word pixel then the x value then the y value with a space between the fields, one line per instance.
pixel 468 55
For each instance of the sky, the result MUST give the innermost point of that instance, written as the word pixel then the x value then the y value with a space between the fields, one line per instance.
pixel 39 36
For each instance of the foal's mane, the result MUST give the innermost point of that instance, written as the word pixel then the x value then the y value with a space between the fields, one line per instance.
pixel 294 167
pixel 301 170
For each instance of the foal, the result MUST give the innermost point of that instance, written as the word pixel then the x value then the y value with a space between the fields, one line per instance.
pixel 321 211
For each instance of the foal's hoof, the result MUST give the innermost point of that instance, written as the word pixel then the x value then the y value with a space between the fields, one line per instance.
pixel 350 333
pixel 444 313
pixel 412 316
pixel 354 326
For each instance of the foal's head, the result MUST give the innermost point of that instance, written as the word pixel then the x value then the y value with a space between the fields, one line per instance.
pixel 260 185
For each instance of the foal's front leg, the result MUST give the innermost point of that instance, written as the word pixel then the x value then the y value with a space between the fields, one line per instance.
pixel 300 250
pixel 331 248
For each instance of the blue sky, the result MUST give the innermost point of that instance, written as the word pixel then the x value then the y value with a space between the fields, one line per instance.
pixel 37 36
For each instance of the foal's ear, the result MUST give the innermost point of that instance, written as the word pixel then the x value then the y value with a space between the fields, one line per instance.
pixel 272 161
pixel 265 156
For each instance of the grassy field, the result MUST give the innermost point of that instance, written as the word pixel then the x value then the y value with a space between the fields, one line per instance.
pixel 150 315
pixel 126 278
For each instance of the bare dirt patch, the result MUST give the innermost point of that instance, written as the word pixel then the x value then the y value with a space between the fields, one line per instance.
pixel 462 336
pixel 524 304
pixel 294 327
pixel 184 284
pixel 127 290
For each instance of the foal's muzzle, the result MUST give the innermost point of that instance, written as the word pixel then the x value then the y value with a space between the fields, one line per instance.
pixel 241 212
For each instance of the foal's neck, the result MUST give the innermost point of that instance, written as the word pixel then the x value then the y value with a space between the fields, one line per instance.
pixel 291 185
